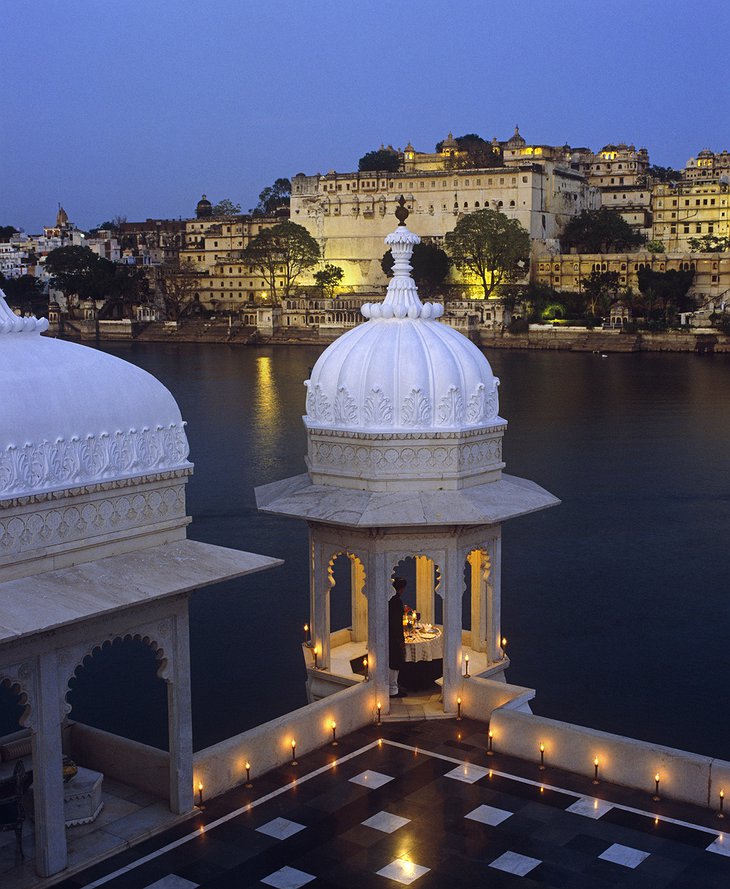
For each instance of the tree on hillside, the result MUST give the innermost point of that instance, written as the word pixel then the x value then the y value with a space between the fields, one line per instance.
pixel 328 279
pixel 281 254
pixel 478 153
pixel 385 159
pixel 430 267
pixel 73 270
pixel 6 232
pixel 664 174
pixel 25 293
pixel 491 246
pixel 599 231
pixel 178 283
pixel 600 289
pixel 226 207
pixel 81 273
pixel 709 244
pixel 665 294
pixel 274 199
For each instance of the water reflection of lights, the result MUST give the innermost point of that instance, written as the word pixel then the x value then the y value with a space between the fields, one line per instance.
pixel 266 399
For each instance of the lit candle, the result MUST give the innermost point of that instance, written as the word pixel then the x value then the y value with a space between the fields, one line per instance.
pixel 200 792
pixel 656 788
pixel 377 707
pixel 466 662
pixel 490 736
pixel 334 734
pixel 294 752
pixel 248 775
pixel 458 708
pixel 366 666
pixel 542 756
pixel 306 633
pixel 595 770
pixel 721 814
pixel 316 655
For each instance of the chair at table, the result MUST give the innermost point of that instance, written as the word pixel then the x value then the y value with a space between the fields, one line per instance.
pixel 12 811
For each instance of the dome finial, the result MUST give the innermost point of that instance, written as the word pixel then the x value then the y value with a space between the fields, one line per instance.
pixel 401 211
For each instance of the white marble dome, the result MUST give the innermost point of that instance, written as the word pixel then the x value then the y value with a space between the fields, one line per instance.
pixel 403 402
pixel 71 415
pixel 403 369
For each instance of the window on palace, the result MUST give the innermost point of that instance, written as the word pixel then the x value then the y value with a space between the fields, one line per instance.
pixel 673 230
pixel 215 243
pixel 514 180
pixel 698 228
pixel 614 197
pixel 422 184
pixel 704 202
pixel 476 203
pixel 674 215
pixel 715 279
pixel 712 202
pixel 479 181
pixel 524 178
pixel 433 185
pixel 466 182
pixel 686 228
pixel 686 203
pixel 489 181
pixel 511 203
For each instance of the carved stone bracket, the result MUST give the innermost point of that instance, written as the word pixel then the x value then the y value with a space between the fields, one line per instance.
pixel 22 679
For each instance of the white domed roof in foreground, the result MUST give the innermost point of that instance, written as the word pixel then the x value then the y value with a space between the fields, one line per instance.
pixel 403 369
pixel 71 415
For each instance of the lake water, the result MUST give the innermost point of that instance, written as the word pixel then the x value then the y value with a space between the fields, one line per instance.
pixel 615 604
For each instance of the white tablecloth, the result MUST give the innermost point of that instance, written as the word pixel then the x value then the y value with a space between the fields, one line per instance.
pixel 422 647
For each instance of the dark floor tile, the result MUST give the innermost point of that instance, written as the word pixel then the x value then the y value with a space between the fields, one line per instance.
pixel 661 829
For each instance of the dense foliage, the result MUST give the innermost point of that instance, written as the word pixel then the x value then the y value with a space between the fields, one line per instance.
pixel 430 267
pixel 599 231
pixel 281 254
pixel 491 246
pixel 385 159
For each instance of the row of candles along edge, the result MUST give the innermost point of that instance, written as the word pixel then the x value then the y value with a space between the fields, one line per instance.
pixel 365 662
pixel 490 752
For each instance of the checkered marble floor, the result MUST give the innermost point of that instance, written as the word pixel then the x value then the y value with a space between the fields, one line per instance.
pixel 390 814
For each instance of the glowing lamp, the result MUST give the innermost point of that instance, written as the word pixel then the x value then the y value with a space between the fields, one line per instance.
pixel 294 752
pixel 720 813
pixel 542 757
pixel 595 770
pixel 334 733
pixel 656 796
pixel 466 665
pixel 377 710
pixel 458 709
pixel 200 793
pixel 490 738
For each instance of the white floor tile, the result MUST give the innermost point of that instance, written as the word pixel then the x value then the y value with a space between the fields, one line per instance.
pixel 721 846
pixel 172 881
pixel 514 863
pixel 624 855
pixel 403 871
pixel 371 779
pixel 386 822
pixel 288 878
pixel 467 773
pixel 489 815
pixel 281 828
pixel 590 807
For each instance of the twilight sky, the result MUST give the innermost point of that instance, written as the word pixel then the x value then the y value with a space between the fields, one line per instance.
pixel 137 108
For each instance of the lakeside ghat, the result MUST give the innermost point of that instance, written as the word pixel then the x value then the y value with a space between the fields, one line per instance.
pixel 331 321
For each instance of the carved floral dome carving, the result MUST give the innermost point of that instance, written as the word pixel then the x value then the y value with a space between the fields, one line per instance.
pixel 72 416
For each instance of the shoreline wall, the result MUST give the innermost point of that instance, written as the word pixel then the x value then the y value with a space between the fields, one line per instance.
pixel 567 339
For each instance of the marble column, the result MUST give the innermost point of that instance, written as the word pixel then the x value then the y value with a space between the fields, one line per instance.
pixel 320 601
pixel 379 590
pixel 50 826
pixel 359 601
pixel 494 602
pixel 451 583
pixel 179 717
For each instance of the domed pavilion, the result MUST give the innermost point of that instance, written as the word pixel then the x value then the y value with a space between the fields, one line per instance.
pixel 93 548
pixel 404 461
